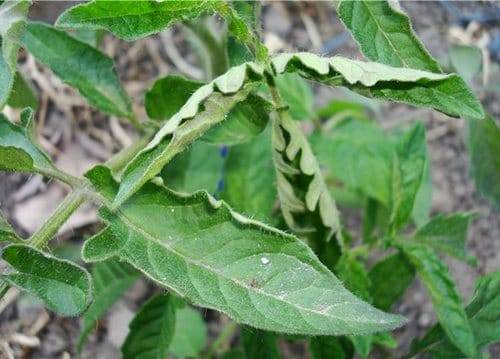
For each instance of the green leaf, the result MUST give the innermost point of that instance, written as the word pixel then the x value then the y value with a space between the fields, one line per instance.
pixel 190 335
pixel 216 258
pixel 466 60
pixel 7 233
pixel 130 20
pixel 444 295
pixel 13 14
pixel 354 276
pixel 297 94
pixel 484 145
pixel 193 120
pixel 22 94
pixel 484 315
pixel 446 93
pixel 245 121
pixel 407 174
pixel 18 149
pixel 391 277
pixel 447 234
pixel 249 181
pixel 151 330
pixel 360 155
pixel 63 286
pixel 305 200
pixel 79 65
pixel 111 279
pixel 384 33
pixel 167 96
pixel 328 347
pixel 199 167
pixel 260 344
pixel 423 199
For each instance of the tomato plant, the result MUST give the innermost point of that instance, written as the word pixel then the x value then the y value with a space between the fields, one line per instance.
pixel 255 231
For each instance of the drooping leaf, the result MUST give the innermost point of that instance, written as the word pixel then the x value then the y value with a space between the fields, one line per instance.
pixel 11 28
pixel 423 199
pixel 297 94
pixel 305 200
pixel 484 145
pixel 407 174
pixel 22 94
pixel 360 155
pixel 63 286
pixel 190 335
pixel 193 120
pixel 391 277
pixel 250 12
pixel 218 259
pixel 484 315
pixel 384 34
pixel 151 330
pixel 111 279
pixel 260 344
pixel 79 65
pixel 245 121
pixel 445 297
pixel 328 347
pixel 446 93
pixel 167 96
pixel 447 234
pixel 249 180
pixel 18 149
pixel 131 20
pixel 7 233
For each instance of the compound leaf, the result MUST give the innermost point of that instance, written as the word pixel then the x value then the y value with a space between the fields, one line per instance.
pixel 484 315
pixel 190 122
pixel 446 93
pixel 63 286
pixel 484 145
pixel 305 200
pixel 131 20
pixel 190 335
pixel 13 14
pixel 111 279
pixel 444 295
pixel 447 234
pixel 384 34
pixel 151 330
pixel 18 149
pixel 218 259
pixel 79 65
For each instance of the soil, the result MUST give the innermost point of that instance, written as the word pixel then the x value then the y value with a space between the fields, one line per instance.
pixel 139 64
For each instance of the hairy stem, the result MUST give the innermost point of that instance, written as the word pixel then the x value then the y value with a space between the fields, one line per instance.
pixel 75 199
pixel 222 340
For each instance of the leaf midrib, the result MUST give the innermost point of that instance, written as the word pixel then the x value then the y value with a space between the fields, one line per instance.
pixel 149 236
